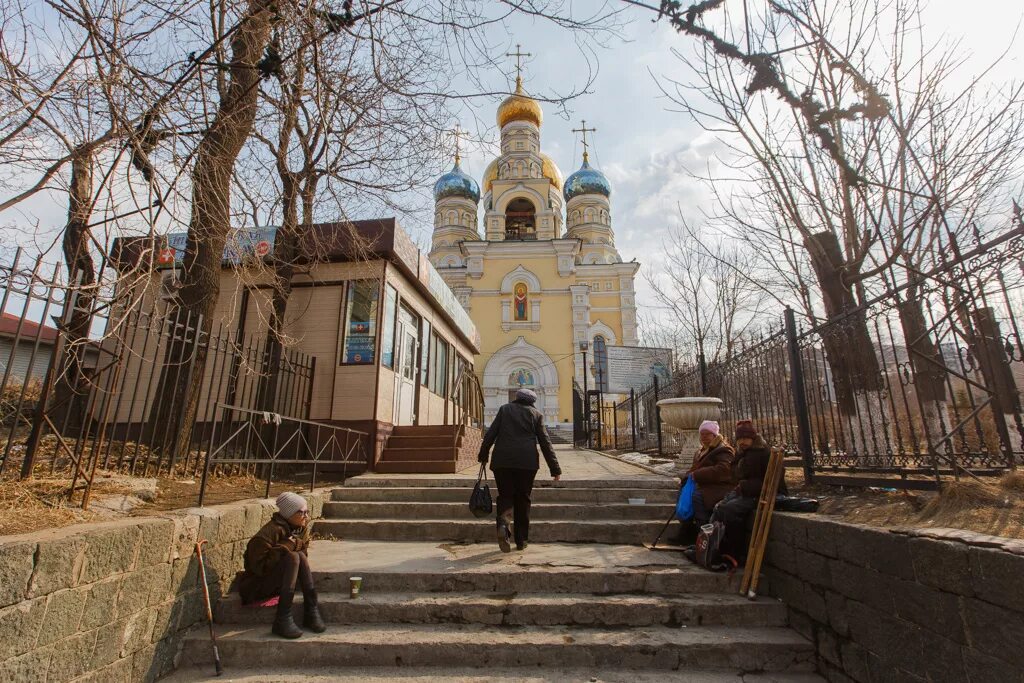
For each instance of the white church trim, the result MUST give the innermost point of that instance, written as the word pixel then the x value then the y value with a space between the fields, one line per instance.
pixel 521 354
pixel 520 274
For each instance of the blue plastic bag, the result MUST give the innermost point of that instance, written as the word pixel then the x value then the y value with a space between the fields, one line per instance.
pixel 684 506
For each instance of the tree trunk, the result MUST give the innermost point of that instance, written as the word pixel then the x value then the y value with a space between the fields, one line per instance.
pixel 849 349
pixel 928 367
pixel 67 409
pixel 177 395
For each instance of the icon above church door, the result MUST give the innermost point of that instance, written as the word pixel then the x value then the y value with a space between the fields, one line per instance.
pixel 520 301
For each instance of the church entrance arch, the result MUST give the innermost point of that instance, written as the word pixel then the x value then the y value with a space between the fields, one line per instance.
pixel 520 365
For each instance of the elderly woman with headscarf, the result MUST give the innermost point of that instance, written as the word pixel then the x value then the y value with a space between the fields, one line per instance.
pixel 515 433
pixel 711 472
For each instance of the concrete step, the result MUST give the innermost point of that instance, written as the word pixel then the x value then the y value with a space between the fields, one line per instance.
pixel 633 532
pixel 451 674
pixel 681 581
pixel 419 441
pixel 418 453
pixel 653 482
pixel 461 494
pixel 424 430
pixel 450 466
pixel 529 609
pixel 415 510
pixel 671 649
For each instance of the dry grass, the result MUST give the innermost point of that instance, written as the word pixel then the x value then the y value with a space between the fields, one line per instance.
pixel 42 503
pixel 992 507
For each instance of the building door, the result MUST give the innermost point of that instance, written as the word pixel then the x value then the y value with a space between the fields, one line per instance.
pixel 405 370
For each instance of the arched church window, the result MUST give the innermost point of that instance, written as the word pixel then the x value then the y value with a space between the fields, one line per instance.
pixel 453 218
pixel 588 216
pixel 520 302
pixel 520 220
pixel 601 362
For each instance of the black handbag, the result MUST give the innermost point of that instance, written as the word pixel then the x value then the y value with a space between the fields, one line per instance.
pixel 480 500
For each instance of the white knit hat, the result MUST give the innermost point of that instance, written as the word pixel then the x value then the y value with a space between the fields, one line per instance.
pixel 289 503
pixel 709 426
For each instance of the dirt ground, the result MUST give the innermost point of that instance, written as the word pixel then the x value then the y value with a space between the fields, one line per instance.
pixel 994 507
pixel 42 501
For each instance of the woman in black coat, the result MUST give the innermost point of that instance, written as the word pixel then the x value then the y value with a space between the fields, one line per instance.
pixel 515 433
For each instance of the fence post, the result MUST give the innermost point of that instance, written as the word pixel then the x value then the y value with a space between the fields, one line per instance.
pixel 657 413
pixel 632 414
pixel 703 365
pixel 615 424
pixel 796 376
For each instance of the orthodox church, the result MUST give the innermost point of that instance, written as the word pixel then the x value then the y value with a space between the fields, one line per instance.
pixel 544 277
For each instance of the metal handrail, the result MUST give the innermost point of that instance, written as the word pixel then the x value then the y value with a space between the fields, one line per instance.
pixel 254 429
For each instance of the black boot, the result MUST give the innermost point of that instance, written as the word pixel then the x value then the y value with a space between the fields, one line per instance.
pixel 284 623
pixel 311 618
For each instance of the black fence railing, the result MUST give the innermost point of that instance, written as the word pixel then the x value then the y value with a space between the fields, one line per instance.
pixel 259 440
pixel 922 380
pixel 83 383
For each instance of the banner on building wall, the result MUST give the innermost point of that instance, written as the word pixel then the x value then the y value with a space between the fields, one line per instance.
pixel 240 244
pixel 635 367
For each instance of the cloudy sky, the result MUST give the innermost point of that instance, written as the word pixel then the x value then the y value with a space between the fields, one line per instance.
pixel 646 149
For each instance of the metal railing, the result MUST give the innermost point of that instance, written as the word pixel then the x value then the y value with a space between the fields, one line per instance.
pixel 244 438
pixel 920 382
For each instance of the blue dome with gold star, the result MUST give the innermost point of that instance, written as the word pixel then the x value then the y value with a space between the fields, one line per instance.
pixel 587 180
pixel 455 183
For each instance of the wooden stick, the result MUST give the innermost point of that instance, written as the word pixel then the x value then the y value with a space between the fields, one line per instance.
pixel 762 524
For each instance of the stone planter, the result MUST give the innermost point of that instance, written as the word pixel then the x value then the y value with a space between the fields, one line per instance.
pixel 684 415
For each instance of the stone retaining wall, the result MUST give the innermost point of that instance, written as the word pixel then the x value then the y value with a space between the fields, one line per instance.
pixel 109 601
pixel 901 605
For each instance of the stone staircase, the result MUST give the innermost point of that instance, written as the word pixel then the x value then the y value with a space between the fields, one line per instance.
pixel 585 602
pixel 429 449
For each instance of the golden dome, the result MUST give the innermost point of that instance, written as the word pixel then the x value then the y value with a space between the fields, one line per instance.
pixel 549 170
pixel 519 107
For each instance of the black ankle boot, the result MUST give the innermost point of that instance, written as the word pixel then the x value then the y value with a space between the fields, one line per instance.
pixel 311 618
pixel 284 622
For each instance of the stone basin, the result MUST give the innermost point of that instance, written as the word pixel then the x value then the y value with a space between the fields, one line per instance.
pixel 687 413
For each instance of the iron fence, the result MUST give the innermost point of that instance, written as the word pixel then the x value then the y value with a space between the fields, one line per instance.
pixel 81 385
pixel 921 380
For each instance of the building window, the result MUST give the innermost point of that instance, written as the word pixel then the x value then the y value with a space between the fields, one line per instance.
pixel 425 353
pixel 438 365
pixel 520 302
pixel 601 363
pixel 387 341
pixel 360 323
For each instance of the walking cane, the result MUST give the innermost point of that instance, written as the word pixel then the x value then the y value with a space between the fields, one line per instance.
pixel 654 546
pixel 762 524
pixel 209 609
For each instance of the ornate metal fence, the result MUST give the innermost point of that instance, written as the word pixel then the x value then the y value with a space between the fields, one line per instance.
pixel 81 397
pixel 929 389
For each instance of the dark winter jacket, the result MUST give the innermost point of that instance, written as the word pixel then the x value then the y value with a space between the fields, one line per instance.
pixel 515 433
pixel 750 467
pixel 265 549
pixel 712 472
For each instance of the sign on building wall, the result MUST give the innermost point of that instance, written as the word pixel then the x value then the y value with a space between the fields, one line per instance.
pixel 635 367
pixel 240 244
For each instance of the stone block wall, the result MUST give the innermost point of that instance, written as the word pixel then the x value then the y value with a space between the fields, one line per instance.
pixel 901 605
pixel 110 601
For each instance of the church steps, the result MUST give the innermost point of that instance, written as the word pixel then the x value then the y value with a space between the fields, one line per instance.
pixel 674 580
pixel 461 495
pixel 451 674
pixel 525 609
pixel 480 646
pixel 542 482
pixel 633 532
pixel 414 509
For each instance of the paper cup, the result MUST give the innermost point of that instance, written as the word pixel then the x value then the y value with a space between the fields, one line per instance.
pixel 354 584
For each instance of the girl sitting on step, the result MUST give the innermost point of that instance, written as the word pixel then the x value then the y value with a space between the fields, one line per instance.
pixel 276 562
